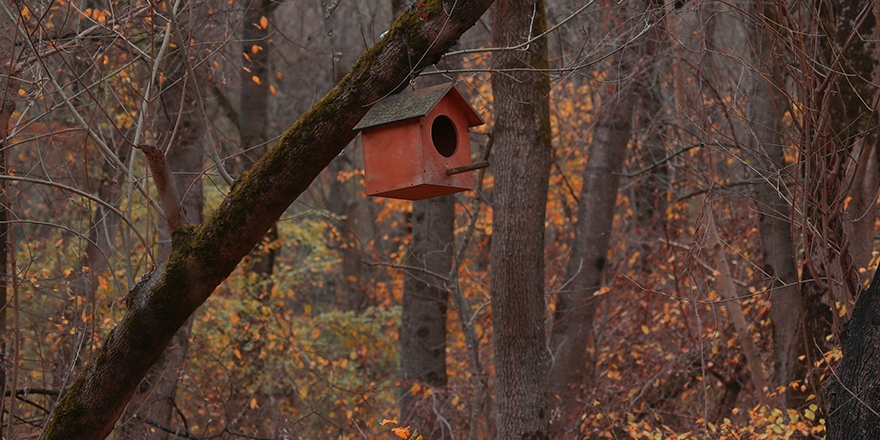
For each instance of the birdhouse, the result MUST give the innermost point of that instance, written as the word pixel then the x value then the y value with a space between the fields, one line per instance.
pixel 416 144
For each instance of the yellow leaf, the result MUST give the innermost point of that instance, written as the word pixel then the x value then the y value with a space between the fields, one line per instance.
pixel 388 422
pixel 264 22
pixel 645 329
pixel 256 79
pixel 236 353
pixel 254 403
pixel 401 432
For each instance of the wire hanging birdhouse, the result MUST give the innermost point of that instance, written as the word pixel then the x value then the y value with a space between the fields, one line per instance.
pixel 416 144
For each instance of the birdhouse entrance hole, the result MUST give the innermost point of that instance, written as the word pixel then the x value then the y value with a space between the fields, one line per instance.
pixel 443 135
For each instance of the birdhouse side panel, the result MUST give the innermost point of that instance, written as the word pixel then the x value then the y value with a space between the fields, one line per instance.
pixel 436 163
pixel 392 157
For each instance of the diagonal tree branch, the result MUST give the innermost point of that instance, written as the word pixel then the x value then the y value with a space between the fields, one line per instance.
pixel 203 256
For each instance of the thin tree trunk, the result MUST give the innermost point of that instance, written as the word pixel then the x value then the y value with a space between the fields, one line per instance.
pixel 576 307
pixel 204 255
pixel 425 298
pixel 7 107
pixel 864 173
pixel 774 210
pixel 522 168
pixel 727 290
pixel 254 119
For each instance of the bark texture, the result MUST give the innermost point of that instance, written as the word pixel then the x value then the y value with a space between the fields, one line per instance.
pixel 576 307
pixel 522 167
pixel 203 255
pixel 853 393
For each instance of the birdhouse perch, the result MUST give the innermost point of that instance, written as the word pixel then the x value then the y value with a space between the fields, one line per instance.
pixel 416 144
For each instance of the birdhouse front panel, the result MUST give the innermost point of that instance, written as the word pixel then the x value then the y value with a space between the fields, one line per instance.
pixel 411 140
pixel 446 144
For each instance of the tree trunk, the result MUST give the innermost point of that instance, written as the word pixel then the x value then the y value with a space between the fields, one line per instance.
pixel 774 210
pixel 864 172
pixel 842 116
pixel 852 394
pixel 576 307
pixel 727 290
pixel 425 297
pixel 522 168
pixel 202 256
pixel 7 107
pixel 254 119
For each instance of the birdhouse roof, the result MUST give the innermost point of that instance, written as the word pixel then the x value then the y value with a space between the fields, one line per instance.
pixel 415 104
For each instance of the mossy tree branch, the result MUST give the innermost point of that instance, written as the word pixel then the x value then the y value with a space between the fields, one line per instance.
pixel 204 255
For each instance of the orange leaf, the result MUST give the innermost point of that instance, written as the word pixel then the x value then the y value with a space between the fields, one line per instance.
pixel 256 48
pixel 272 89
pixel 264 22
pixel 256 79
pixel 401 432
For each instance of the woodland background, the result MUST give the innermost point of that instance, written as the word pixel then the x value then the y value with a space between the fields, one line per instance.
pixel 679 215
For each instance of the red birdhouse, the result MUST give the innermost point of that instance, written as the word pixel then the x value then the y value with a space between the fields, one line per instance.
pixel 416 144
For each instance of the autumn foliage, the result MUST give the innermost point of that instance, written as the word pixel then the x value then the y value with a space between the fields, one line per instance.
pixel 310 349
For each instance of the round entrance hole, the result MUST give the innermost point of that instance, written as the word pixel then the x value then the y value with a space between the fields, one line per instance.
pixel 443 135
